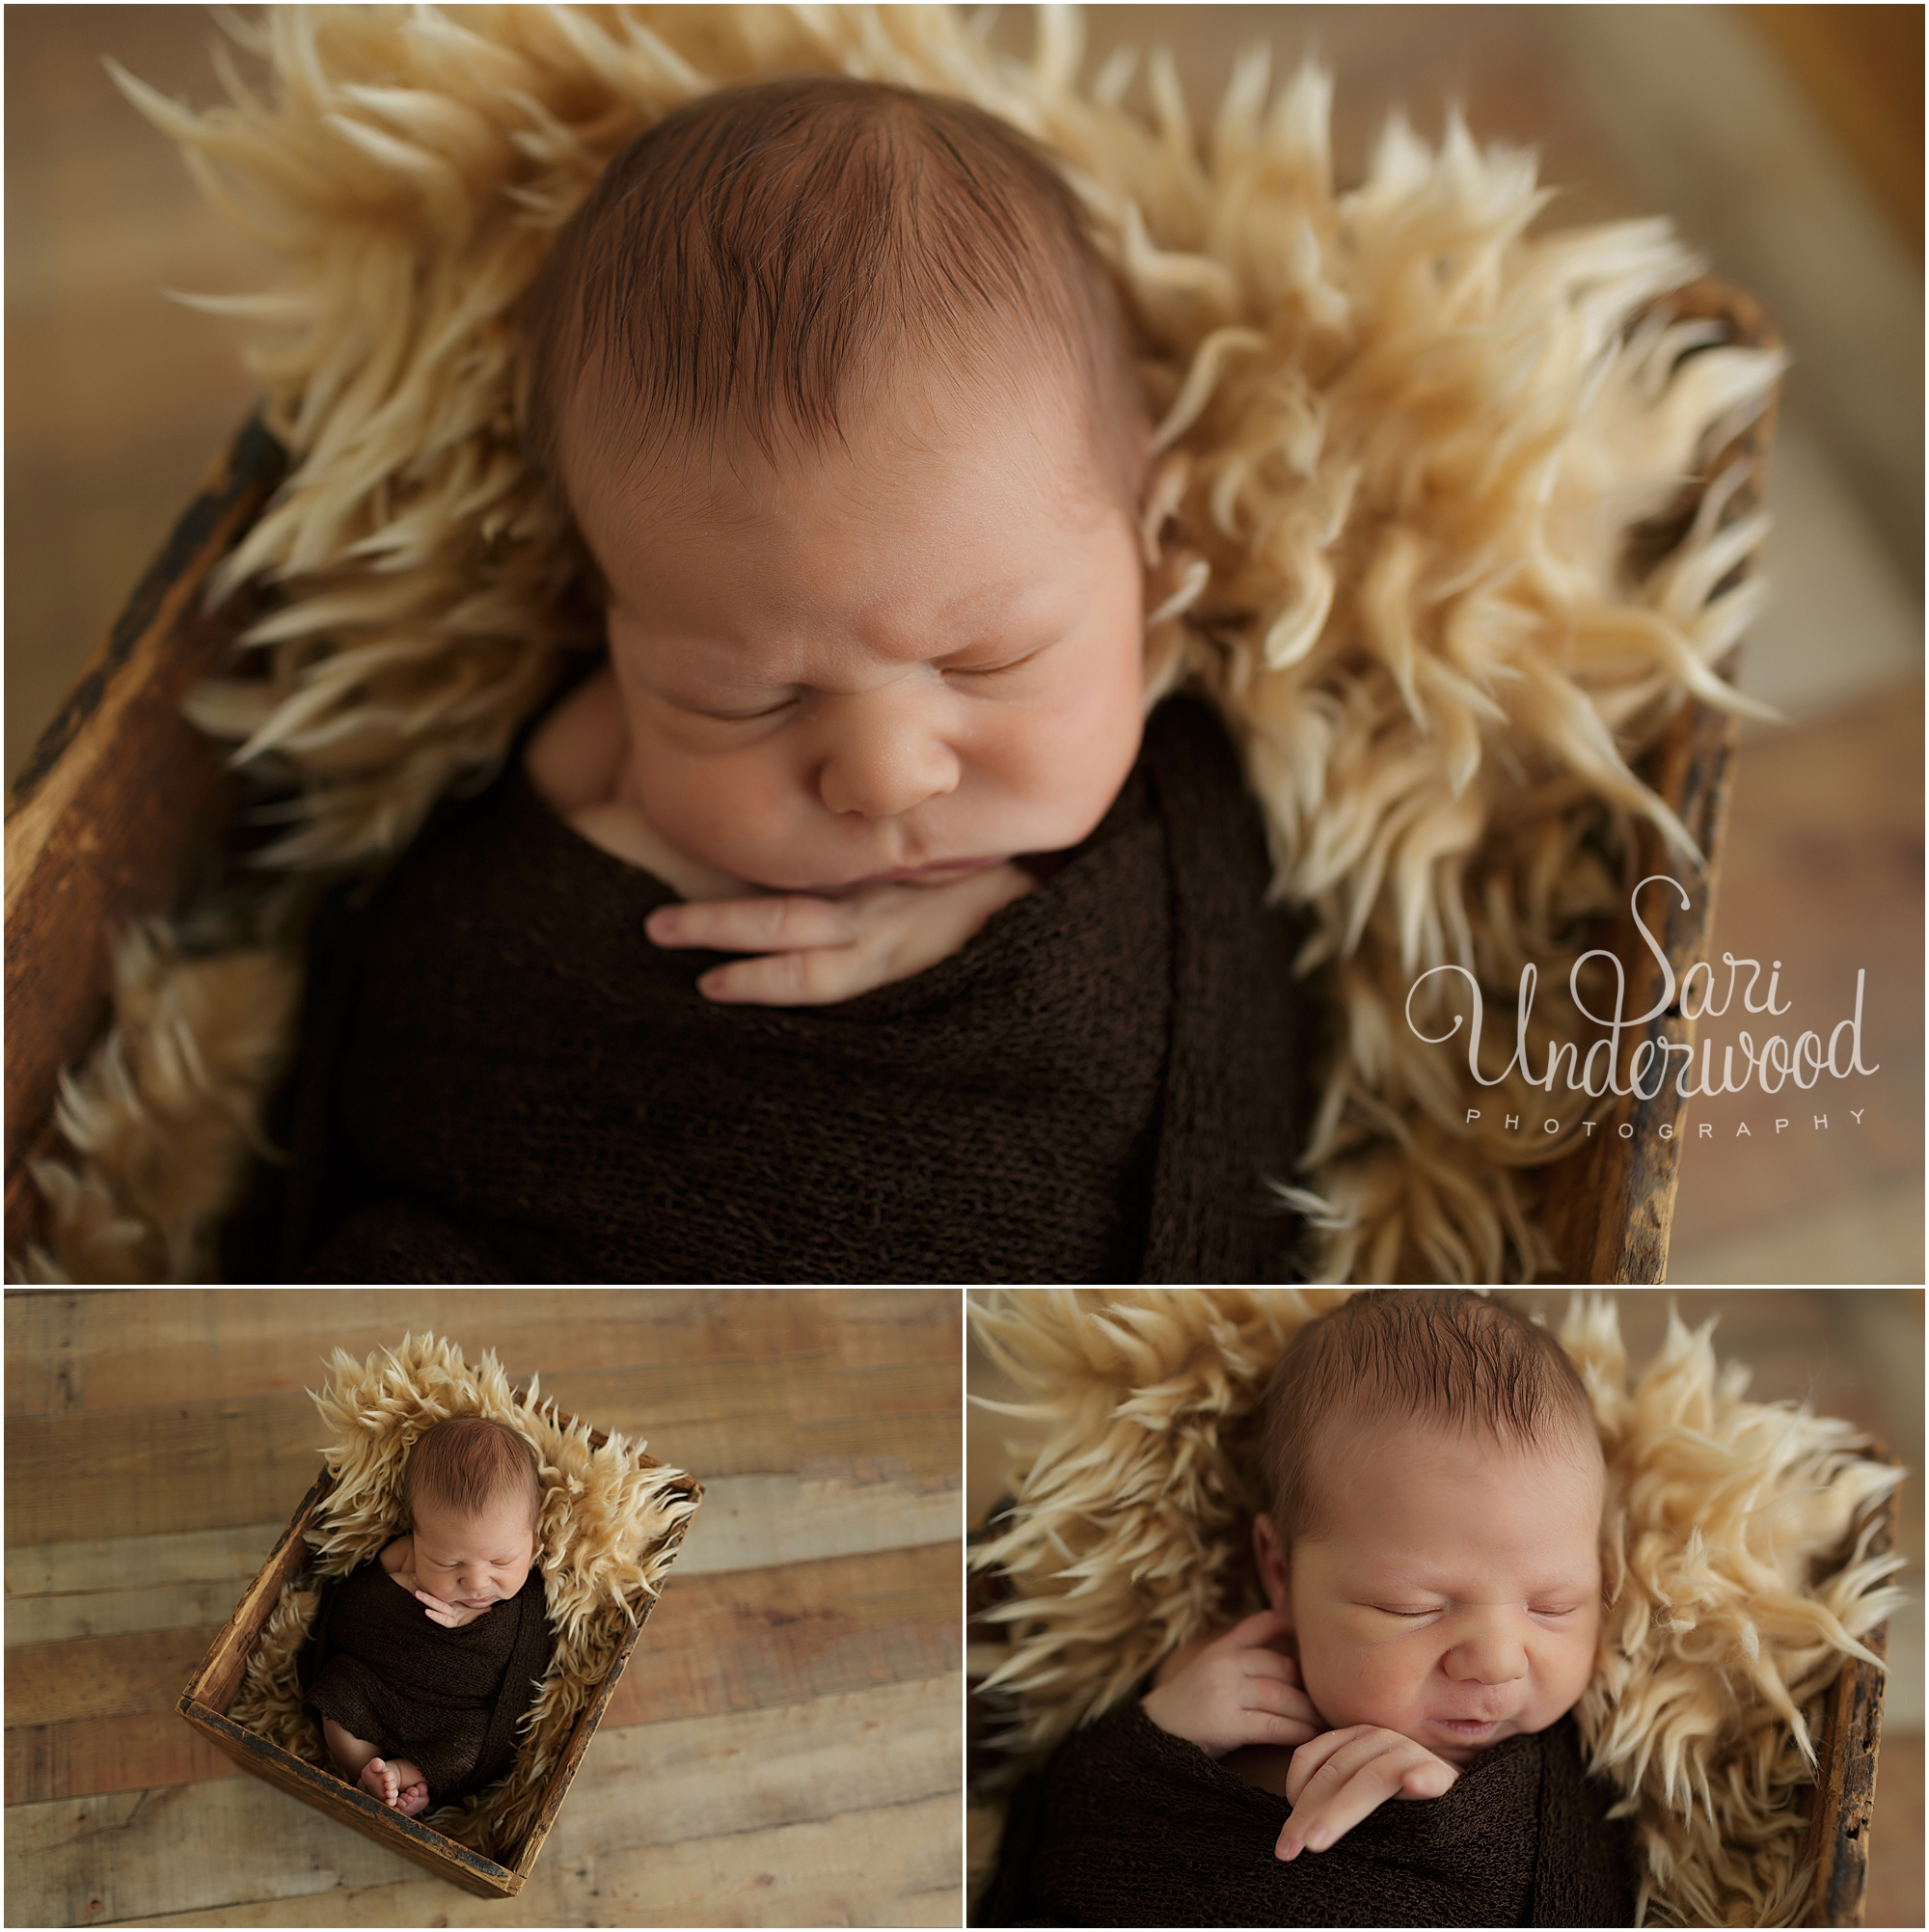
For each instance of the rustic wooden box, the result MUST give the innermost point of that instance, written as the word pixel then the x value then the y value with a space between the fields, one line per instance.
pixel 88 851
pixel 212 1688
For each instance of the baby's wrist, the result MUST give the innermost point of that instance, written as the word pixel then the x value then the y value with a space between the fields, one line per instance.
pixel 1176 1719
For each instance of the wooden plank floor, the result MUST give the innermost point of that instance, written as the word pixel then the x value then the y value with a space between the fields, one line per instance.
pixel 785 1747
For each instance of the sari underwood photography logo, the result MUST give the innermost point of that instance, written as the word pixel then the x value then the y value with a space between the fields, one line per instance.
pixel 1618 1062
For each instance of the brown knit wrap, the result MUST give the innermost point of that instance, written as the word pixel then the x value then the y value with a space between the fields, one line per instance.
pixel 1127 1826
pixel 505 1079
pixel 449 1701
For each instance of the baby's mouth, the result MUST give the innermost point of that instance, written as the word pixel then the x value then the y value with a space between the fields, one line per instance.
pixel 1469 1730
pixel 939 872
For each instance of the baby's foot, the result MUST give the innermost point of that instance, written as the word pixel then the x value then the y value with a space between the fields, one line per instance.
pixel 412 1796
pixel 378 1779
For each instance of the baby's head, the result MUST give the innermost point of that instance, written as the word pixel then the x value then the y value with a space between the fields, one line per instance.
pixel 1437 1485
pixel 842 402
pixel 472 1497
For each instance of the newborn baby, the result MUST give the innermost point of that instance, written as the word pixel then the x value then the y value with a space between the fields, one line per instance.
pixel 875 630
pixel 426 1660
pixel 1432 1562
pixel 840 402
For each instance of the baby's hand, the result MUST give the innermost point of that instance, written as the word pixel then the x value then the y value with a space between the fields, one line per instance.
pixel 451 1616
pixel 817 951
pixel 1335 1781
pixel 1236 1692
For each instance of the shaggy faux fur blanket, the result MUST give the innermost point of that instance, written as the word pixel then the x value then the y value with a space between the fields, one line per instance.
pixel 447 1700
pixel 505 1079
pixel 1127 1826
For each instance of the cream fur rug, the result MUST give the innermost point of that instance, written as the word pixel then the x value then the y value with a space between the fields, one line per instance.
pixel 1403 444
pixel 1130 1537
pixel 611 1525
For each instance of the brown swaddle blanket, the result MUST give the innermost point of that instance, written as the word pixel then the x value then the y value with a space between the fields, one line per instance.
pixel 501 1078
pixel 449 1701
pixel 1129 1826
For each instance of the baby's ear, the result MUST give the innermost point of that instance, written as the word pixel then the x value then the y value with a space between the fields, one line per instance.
pixel 1271 1558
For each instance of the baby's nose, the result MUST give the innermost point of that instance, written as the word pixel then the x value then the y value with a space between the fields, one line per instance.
pixel 882 757
pixel 1491 1657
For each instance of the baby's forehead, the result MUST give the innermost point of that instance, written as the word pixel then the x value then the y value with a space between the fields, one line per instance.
pixel 656 471
pixel 1428 1447
pixel 454 1518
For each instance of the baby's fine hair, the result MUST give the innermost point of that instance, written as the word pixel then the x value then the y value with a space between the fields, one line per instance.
pixel 469 1462
pixel 1447 1357
pixel 766 252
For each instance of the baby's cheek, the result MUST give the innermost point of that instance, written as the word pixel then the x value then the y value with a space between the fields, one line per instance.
pixel 1351 1685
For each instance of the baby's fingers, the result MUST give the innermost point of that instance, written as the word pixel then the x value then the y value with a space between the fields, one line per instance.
pixel 1368 1769
pixel 765 923
pixel 814 978
pixel 1279 1712
pixel 1260 1628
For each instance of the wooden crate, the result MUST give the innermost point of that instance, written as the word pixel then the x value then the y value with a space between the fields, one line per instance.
pixel 212 1688
pixel 114 816
pixel 1608 1207
pixel 87 852
pixel 1846 1750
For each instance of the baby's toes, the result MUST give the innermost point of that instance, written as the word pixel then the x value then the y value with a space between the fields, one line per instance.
pixel 414 1800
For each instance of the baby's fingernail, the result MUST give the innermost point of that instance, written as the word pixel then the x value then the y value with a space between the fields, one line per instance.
pixel 662 925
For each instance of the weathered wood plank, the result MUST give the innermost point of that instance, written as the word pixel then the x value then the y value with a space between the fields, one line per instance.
pixel 126 1472
pixel 42 1372
pixel 891 1743
pixel 880 1587
pixel 91 1756
pixel 699 1323
pixel 785 1668
pixel 758 1522
pixel 836 1873
pixel 108 1563
pixel 87 1860
pixel 754 1444
pixel 114 1612
pixel 98 1755
pixel 745 1418
pixel 715 1781
pixel 196 1466
pixel 139 1673
pixel 111 1349
pixel 750 1638
pixel 58 1592
pixel 879 1325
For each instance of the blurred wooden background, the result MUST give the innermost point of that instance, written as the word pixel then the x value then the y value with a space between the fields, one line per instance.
pixel 784 1748
pixel 1856 1353
pixel 1785 141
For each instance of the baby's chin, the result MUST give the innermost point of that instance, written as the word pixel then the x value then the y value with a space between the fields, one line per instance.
pixel 1461 1743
